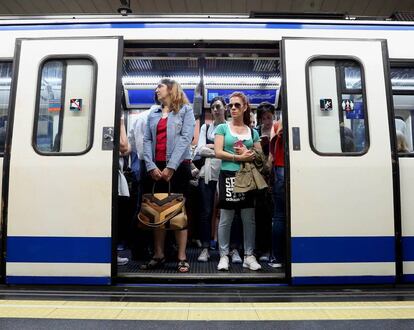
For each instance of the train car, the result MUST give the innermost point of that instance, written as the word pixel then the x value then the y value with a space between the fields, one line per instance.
pixel 350 218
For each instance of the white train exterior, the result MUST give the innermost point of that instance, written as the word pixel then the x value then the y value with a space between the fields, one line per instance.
pixel 350 216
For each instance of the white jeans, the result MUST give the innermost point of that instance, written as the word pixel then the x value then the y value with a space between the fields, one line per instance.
pixel 249 230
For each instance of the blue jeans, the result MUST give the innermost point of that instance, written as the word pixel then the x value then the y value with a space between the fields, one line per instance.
pixel 207 194
pixel 279 215
pixel 249 230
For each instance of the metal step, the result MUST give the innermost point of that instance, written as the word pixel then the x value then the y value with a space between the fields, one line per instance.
pixel 199 270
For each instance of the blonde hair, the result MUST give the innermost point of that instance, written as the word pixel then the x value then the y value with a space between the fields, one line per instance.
pixel 177 95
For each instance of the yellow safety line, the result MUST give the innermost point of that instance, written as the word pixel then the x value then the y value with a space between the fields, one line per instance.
pixel 206 311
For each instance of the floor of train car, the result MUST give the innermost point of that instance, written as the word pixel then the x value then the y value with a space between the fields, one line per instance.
pixel 198 270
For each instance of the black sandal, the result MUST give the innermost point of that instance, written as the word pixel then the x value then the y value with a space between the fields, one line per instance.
pixel 183 266
pixel 153 263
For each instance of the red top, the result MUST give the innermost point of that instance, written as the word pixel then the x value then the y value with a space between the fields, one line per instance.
pixel 277 147
pixel 161 141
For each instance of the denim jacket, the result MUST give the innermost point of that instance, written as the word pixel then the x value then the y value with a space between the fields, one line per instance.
pixel 180 132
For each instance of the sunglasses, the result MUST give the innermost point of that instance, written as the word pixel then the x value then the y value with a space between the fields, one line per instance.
pixel 216 106
pixel 236 105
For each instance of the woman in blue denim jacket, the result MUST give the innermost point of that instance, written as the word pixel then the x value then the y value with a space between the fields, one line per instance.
pixel 167 139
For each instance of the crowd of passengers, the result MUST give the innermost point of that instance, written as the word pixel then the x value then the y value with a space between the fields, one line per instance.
pixel 158 146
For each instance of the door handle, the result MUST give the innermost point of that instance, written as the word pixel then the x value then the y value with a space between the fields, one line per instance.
pixel 107 138
pixel 296 138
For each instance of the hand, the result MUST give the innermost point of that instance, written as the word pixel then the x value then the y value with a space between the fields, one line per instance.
pixel 156 174
pixel 167 173
pixel 247 156
pixel 210 145
pixel 240 150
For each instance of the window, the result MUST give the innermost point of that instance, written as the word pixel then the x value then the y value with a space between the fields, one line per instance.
pixel 5 83
pixel 337 113
pixel 64 113
pixel 402 82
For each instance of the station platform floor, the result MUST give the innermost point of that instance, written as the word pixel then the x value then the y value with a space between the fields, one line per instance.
pixel 201 306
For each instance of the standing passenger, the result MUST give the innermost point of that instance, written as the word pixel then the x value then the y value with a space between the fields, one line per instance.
pixel 279 208
pixel 232 145
pixel 264 203
pixel 209 173
pixel 140 242
pixel 123 190
pixel 167 139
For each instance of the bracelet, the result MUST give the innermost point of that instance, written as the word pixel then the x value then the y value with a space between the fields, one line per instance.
pixel 234 158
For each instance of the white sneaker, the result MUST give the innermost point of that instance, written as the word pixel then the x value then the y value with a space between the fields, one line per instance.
pixel 122 261
pixel 251 263
pixel 235 257
pixel 204 255
pixel 224 263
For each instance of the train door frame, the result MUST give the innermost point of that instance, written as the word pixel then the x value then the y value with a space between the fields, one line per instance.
pixel 102 276
pixel 4 179
pixel 394 257
pixel 403 240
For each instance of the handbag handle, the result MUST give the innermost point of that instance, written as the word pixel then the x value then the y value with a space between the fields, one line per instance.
pixel 169 188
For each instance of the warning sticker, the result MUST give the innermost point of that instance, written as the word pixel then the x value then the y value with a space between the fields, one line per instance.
pixel 75 104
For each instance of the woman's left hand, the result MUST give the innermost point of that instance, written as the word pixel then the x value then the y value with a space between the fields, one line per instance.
pixel 167 174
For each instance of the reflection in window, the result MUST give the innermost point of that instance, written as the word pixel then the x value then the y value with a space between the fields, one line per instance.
pixel 5 83
pixel 352 77
pixel 402 81
pixel 64 109
pixel 337 108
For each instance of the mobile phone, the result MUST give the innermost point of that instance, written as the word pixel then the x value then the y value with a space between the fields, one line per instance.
pixel 238 144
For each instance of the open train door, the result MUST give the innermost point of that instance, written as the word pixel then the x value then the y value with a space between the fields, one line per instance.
pixel 60 160
pixel 340 181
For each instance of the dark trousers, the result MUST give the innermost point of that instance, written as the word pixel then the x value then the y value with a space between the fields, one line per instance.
pixel 279 215
pixel 178 183
pixel 207 194
pixel 263 212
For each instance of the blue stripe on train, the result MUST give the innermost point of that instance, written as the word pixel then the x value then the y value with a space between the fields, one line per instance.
pixel 315 280
pixel 408 278
pixel 59 249
pixel 408 248
pixel 195 25
pixel 343 249
pixel 58 280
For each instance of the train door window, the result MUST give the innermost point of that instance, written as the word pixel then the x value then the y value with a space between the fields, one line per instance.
pixel 65 106
pixel 402 81
pixel 5 83
pixel 337 109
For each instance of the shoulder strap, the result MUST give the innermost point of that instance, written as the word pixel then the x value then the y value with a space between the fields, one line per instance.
pixel 251 132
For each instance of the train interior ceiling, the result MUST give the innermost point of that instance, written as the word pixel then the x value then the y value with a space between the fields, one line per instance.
pixel 210 70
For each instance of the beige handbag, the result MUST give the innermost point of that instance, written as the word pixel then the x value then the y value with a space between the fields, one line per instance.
pixel 163 211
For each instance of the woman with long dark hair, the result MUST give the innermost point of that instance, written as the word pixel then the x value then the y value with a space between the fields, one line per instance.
pixel 167 139
pixel 232 144
pixel 209 173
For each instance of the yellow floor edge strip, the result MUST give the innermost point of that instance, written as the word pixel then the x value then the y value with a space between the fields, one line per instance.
pixel 206 311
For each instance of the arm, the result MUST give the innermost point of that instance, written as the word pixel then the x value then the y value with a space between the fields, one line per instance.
pixel 246 156
pixel 203 149
pixel 148 141
pixel 124 147
pixel 184 141
pixel 131 139
pixel 201 139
